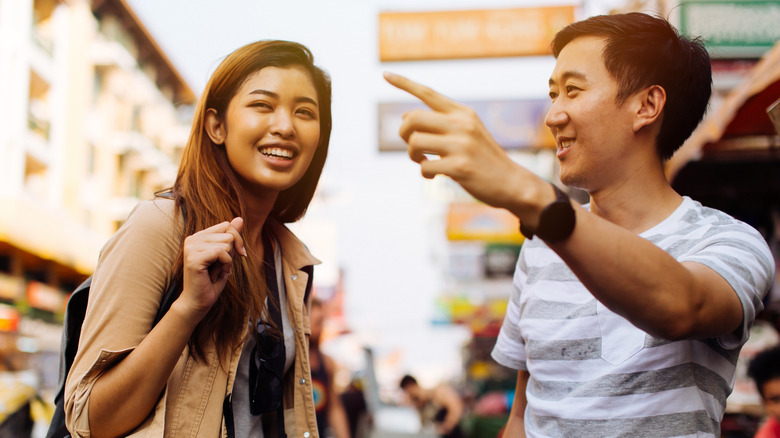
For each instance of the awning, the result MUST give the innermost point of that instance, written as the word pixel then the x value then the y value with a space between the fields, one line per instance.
pixel 740 122
pixel 48 234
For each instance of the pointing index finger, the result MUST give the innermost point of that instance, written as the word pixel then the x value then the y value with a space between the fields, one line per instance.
pixel 433 99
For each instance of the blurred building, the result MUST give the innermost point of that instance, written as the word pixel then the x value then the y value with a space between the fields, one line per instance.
pixel 93 117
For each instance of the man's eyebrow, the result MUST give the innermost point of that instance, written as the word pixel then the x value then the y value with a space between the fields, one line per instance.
pixel 568 75
pixel 276 96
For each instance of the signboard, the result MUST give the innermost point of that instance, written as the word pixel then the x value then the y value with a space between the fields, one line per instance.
pixel 9 318
pixel 44 297
pixel 11 287
pixel 732 29
pixel 501 260
pixel 482 316
pixel 477 221
pixel 405 36
pixel 515 124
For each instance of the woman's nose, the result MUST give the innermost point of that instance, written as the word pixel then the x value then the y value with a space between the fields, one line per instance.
pixel 282 124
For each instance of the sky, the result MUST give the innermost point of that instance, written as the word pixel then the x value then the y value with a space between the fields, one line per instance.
pixel 379 224
pixel 196 34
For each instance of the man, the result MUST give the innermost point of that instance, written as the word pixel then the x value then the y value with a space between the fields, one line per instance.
pixel 764 369
pixel 331 416
pixel 440 405
pixel 627 316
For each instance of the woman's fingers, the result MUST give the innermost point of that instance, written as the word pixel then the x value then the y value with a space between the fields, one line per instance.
pixel 211 249
pixel 236 225
pixel 225 232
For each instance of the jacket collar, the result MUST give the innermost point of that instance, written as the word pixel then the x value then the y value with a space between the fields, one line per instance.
pixel 294 252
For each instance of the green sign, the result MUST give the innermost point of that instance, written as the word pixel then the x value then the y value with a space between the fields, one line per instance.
pixel 732 29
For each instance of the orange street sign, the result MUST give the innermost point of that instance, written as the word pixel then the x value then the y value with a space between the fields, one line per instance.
pixel 485 33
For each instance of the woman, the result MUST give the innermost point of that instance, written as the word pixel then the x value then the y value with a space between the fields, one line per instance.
pixel 228 358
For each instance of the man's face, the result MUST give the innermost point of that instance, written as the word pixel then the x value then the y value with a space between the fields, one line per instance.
pixel 772 397
pixel 317 321
pixel 414 392
pixel 591 130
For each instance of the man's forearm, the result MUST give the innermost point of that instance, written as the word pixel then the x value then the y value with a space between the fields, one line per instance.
pixel 641 282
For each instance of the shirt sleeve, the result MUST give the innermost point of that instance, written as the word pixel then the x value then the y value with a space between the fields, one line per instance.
pixel 132 274
pixel 739 254
pixel 509 350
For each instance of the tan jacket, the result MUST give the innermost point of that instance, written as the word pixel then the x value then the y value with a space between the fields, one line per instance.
pixel 132 274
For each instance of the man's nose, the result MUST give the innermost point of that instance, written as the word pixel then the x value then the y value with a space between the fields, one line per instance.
pixel 556 116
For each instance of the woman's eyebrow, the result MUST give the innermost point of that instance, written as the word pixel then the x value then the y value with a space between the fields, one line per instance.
pixel 276 96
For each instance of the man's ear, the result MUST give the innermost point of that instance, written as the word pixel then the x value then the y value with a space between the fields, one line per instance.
pixel 215 126
pixel 652 101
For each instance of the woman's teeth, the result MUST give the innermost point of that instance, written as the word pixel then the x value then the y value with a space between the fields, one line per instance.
pixel 277 152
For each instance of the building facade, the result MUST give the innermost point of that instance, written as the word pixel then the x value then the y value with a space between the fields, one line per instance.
pixel 93 118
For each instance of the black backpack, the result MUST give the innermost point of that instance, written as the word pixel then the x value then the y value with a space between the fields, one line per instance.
pixel 71 331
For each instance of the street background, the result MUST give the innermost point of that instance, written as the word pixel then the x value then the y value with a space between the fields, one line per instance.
pixel 96 104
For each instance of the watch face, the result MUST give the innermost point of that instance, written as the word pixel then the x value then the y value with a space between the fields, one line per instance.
pixel 556 221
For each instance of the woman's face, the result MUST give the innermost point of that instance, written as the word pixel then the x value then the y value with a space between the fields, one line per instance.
pixel 272 127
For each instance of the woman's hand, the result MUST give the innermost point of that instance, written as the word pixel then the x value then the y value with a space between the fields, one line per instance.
pixel 208 255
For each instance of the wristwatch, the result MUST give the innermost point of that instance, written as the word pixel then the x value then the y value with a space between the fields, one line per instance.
pixel 556 222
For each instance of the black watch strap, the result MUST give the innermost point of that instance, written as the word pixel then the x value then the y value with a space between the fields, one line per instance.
pixel 556 222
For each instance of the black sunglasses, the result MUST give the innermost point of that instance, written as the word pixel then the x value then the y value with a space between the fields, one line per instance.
pixel 265 371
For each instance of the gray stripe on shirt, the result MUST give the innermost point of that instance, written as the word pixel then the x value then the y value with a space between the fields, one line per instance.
pixel 646 382
pixel 557 310
pixel 681 424
pixel 570 349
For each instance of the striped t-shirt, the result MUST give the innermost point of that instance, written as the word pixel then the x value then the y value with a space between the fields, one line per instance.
pixel 593 374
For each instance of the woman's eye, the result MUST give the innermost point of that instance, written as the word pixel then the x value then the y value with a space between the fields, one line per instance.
pixel 307 112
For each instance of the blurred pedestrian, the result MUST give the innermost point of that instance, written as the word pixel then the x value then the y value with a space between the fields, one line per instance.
pixel 440 406
pixel 227 358
pixel 354 402
pixel 331 417
pixel 764 369
pixel 628 314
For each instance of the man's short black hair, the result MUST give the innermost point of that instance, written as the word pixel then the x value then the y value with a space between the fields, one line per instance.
pixel 642 50
pixel 407 380
pixel 764 367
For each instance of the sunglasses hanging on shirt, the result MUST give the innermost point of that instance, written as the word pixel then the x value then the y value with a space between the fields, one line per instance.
pixel 266 369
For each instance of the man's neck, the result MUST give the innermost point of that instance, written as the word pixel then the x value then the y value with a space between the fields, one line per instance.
pixel 636 204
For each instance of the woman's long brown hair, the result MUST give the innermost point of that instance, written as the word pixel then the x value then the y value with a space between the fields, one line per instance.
pixel 208 192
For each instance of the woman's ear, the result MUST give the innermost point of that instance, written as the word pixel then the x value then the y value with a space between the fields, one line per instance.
pixel 215 126
pixel 652 101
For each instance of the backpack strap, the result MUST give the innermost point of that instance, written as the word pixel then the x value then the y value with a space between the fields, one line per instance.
pixel 173 292
pixel 71 331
